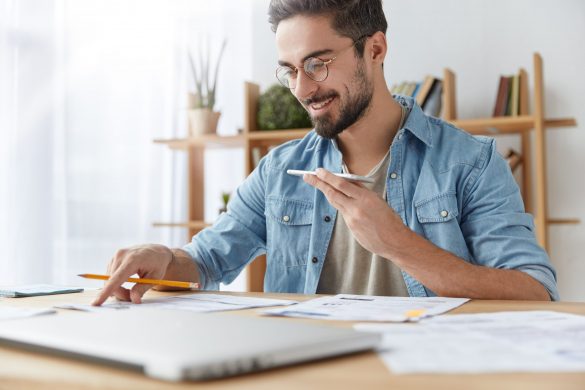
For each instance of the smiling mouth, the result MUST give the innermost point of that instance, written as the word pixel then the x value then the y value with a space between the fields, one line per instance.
pixel 321 105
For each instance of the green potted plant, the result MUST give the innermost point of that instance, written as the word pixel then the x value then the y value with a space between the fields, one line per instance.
pixel 202 115
pixel 279 109
pixel 225 197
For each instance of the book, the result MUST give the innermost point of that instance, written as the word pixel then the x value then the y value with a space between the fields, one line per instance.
pixel 416 89
pixel 409 89
pixel 433 103
pixel 502 97
pixel 424 90
pixel 33 290
pixel 508 111
pixel 515 95
pixel 398 90
pixel 523 96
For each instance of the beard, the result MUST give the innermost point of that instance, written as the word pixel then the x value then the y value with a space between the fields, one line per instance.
pixel 351 109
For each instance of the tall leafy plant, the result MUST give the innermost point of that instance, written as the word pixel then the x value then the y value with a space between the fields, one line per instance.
pixel 205 83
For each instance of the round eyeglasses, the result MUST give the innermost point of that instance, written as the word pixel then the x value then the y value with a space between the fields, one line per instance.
pixel 315 68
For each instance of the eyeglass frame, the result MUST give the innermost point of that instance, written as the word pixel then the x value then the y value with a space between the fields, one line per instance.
pixel 325 63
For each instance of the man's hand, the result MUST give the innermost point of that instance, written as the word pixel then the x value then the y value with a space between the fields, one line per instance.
pixel 378 229
pixel 368 216
pixel 148 261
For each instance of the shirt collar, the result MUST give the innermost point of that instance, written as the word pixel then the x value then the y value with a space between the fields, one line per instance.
pixel 416 122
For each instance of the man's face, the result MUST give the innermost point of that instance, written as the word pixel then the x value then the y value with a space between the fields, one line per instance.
pixel 344 97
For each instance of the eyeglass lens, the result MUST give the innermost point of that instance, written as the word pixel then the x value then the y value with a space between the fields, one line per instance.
pixel 314 68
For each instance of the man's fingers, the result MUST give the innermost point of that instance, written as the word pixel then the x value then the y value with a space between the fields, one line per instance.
pixel 122 294
pixel 336 198
pixel 348 188
pixel 138 290
pixel 116 280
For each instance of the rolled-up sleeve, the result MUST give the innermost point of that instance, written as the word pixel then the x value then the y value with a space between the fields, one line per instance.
pixel 222 250
pixel 497 230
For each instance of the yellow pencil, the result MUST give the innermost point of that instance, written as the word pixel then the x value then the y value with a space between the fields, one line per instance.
pixel 169 283
pixel 410 314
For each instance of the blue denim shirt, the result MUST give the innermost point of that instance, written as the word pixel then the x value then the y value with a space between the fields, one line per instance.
pixel 448 186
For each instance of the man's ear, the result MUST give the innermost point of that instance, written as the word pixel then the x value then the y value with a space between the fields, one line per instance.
pixel 376 47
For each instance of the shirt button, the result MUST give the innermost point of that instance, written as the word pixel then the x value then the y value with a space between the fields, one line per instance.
pixel 393 175
pixel 286 218
pixel 327 218
pixel 315 260
pixel 400 136
pixel 444 213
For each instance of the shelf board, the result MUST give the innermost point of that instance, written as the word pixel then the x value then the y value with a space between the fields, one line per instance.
pixel 563 221
pixel 277 135
pixel 484 126
pixel 200 225
pixel 207 140
pixel 508 124
pixel 560 122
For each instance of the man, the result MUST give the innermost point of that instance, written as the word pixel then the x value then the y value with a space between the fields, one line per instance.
pixel 443 216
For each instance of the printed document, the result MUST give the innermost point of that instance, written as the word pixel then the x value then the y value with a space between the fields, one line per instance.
pixel 522 341
pixel 347 307
pixel 11 313
pixel 199 303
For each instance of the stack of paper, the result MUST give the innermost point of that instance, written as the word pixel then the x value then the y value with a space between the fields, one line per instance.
pixel 200 303
pixel 526 341
pixel 370 308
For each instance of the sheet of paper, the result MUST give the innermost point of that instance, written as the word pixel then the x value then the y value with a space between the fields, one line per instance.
pixel 11 313
pixel 370 308
pixel 33 290
pixel 200 303
pixel 525 341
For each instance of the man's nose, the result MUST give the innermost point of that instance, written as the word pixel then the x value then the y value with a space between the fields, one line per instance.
pixel 305 86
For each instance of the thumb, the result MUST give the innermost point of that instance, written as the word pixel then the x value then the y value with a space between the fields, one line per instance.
pixel 138 290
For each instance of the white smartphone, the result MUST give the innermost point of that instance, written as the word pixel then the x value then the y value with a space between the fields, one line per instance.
pixel 347 176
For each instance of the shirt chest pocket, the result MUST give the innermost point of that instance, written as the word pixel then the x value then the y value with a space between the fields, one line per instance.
pixel 440 208
pixel 438 217
pixel 288 231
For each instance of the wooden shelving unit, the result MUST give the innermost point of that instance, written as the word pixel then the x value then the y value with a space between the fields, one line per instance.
pixel 534 172
pixel 533 185
pixel 249 139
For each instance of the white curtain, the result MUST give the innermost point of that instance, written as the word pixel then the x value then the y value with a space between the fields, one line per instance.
pixel 28 121
pixel 85 86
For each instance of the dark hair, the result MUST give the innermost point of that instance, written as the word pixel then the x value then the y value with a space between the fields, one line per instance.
pixel 350 18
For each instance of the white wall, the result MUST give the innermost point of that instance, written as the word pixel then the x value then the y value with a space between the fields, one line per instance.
pixel 480 40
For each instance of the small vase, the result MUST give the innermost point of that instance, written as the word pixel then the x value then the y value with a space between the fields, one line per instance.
pixel 203 121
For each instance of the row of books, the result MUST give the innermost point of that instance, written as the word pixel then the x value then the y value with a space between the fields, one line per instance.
pixel 428 94
pixel 509 97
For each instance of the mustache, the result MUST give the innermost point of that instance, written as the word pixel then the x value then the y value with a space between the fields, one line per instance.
pixel 319 98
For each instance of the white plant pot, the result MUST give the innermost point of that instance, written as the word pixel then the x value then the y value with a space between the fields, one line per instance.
pixel 202 121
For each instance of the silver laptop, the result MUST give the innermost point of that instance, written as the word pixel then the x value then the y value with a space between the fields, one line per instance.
pixel 180 345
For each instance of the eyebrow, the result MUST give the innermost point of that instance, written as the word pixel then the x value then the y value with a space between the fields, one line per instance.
pixel 313 54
